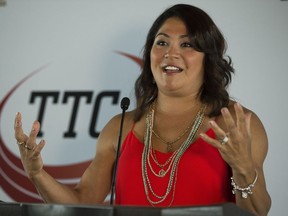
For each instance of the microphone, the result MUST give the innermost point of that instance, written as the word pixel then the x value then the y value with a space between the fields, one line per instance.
pixel 125 102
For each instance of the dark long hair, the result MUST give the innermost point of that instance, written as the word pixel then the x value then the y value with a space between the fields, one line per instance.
pixel 205 37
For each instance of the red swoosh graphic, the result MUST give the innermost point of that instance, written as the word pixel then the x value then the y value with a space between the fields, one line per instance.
pixel 136 59
pixel 13 178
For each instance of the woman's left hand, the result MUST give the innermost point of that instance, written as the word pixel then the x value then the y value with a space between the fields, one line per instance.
pixel 233 139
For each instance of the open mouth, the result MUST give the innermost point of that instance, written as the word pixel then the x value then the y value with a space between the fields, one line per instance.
pixel 172 69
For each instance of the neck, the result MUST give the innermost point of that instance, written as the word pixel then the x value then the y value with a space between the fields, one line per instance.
pixel 166 104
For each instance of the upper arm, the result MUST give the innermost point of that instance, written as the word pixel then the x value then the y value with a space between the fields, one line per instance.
pixel 95 183
pixel 259 140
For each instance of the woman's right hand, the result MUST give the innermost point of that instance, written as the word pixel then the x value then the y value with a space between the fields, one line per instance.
pixel 29 150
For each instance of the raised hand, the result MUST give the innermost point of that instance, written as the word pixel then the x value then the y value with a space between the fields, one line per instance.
pixel 233 139
pixel 29 150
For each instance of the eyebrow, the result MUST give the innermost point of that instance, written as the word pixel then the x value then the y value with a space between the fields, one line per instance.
pixel 166 35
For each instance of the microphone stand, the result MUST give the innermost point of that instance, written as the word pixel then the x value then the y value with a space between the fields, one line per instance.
pixel 124 106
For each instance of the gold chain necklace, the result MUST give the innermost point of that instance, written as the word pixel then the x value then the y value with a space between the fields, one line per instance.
pixel 157 199
pixel 170 143
pixel 154 157
pixel 162 171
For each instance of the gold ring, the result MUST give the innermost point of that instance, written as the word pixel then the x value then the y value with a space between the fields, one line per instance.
pixel 20 143
pixel 224 140
pixel 25 146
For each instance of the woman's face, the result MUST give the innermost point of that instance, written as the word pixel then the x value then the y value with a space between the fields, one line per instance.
pixel 176 66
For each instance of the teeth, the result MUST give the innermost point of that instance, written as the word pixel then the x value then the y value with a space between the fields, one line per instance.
pixel 172 68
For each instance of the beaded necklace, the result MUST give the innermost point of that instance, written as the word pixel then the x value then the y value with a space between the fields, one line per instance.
pixel 172 162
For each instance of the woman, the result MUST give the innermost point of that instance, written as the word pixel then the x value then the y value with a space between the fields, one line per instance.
pixel 186 143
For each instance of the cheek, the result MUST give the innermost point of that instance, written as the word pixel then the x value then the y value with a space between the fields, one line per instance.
pixel 154 59
pixel 156 54
pixel 196 62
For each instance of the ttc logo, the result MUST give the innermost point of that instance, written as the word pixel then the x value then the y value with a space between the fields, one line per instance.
pixel 13 178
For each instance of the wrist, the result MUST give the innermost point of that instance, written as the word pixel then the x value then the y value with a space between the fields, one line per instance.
pixel 244 169
pixel 244 189
pixel 35 175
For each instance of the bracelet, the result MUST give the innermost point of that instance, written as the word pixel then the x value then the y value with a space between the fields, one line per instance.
pixel 245 191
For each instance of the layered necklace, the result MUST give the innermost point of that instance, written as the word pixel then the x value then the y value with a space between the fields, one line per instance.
pixel 171 164
pixel 170 143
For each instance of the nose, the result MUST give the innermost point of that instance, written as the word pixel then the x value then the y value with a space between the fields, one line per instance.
pixel 172 52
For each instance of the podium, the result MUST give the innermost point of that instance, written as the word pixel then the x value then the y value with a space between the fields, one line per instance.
pixel 29 209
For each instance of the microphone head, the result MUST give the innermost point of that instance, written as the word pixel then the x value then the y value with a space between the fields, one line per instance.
pixel 125 102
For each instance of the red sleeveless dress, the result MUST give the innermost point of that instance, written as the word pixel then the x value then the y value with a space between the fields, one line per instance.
pixel 203 177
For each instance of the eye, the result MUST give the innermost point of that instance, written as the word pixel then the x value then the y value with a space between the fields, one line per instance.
pixel 186 44
pixel 161 43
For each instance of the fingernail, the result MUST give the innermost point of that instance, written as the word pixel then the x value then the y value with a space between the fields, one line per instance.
pixel 212 123
pixel 224 110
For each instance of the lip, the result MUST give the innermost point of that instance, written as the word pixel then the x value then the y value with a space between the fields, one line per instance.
pixel 171 69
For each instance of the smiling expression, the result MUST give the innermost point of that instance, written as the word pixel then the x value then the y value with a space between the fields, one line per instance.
pixel 176 66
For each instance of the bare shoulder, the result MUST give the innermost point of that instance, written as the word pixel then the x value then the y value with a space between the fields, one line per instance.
pixel 255 120
pixel 256 126
pixel 110 133
pixel 97 177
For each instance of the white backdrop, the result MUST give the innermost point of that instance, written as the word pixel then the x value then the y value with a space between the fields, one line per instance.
pixel 76 43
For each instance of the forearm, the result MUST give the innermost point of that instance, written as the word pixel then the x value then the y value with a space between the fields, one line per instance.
pixel 259 201
pixel 52 191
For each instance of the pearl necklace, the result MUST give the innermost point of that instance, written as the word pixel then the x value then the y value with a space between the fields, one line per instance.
pixel 172 162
